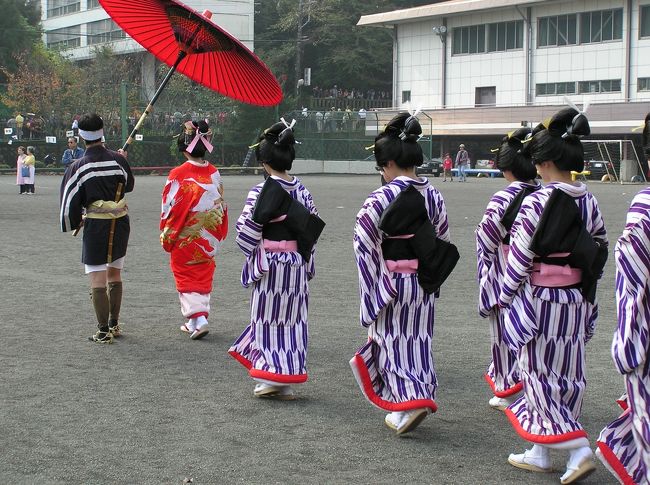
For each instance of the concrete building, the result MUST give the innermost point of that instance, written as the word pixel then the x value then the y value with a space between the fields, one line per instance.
pixel 76 27
pixel 481 67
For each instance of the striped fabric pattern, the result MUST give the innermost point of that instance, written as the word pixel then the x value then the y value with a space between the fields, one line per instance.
pixel 618 450
pixel 274 345
pixel 71 200
pixel 502 374
pixel 395 368
pixel 630 433
pixel 548 328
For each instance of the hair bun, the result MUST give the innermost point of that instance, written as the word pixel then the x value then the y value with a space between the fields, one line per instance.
pixel 517 138
pixel 567 122
pixel 280 134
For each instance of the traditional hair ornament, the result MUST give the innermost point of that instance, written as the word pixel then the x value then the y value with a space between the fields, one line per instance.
pixel 193 131
pixel 286 136
pixel 579 124
pixel 411 126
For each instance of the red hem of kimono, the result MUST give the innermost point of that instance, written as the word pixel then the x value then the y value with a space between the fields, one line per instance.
pixel 622 403
pixel 613 461
pixel 382 403
pixel 200 314
pixel 506 393
pixel 266 375
pixel 543 439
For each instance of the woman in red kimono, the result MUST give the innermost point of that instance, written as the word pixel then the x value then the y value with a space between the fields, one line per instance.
pixel 194 222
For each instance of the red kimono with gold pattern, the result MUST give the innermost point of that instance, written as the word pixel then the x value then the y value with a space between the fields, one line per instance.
pixel 194 222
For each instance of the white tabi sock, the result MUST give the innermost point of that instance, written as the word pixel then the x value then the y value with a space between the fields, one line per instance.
pixel 200 322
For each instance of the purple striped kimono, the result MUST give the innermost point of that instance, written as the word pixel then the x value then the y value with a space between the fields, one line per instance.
pixel 624 445
pixel 548 328
pixel 273 347
pixel 395 368
pixel 502 374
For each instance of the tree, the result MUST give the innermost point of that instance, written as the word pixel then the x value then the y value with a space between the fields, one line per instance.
pixel 19 23
pixel 338 51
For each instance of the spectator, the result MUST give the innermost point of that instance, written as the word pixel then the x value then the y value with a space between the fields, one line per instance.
pixel 28 177
pixel 447 165
pixel 73 152
pixel 19 126
pixel 462 160
pixel 20 178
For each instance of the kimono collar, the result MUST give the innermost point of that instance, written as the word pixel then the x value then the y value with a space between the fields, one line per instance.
pixel 286 184
pixel 204 164
pixel 521 185
pixel 419 183
pixel 574 190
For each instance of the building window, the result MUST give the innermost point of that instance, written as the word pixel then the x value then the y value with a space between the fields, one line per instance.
pixel 65 38
pixel 92 4
pixel 468 40
pixel 644 27
pixel 486 96
pixel 553 89
pixel 601 26
pixel 104 31
pixel 505 36
pixel 643 84
pixel 557 30
pixel 605 86
pixel 62 7
pixel 406 96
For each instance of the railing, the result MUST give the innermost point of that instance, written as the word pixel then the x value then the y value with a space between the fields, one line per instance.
pixel 345 103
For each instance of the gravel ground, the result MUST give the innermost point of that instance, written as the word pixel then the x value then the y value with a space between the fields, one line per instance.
pixel 158 408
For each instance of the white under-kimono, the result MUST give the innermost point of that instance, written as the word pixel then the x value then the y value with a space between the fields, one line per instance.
pixel 395 368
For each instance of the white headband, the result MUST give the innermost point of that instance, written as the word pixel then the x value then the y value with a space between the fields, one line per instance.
pixel 91 135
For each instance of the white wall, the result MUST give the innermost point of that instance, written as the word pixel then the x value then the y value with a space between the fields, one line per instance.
pixel 234 16
pixel 420 57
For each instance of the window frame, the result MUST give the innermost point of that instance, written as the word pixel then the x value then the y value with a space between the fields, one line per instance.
pixel 567 20
pixel 591 15
pixel 644 9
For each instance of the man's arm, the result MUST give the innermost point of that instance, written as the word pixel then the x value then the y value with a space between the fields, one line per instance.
pixel 67 157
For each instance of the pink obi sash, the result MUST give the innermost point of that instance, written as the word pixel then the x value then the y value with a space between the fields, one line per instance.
pixel 280 246
pixel 505 250
pixel 553 275
pixel 406 266
pixel 279 218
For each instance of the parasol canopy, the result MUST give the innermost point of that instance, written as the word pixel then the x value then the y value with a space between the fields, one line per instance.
pixel 179 36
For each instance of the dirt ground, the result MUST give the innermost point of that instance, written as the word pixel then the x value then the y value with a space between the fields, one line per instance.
pixel 157 408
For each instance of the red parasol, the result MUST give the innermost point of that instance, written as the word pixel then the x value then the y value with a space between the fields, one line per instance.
pixel 192 44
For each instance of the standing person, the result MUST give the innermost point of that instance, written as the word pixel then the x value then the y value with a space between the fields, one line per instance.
pixel 194 222
pixel 462 160
pixel 492 245
pixel 624 445
pixel 29 170
pixel 73 152
pixel 277 231
pixel 22 171
pixel 20 121
pixel 96 184
pixel 400 228
pixel 557 251
pixel 447 165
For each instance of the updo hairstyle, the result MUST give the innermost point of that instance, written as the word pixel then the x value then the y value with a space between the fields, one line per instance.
pixel 399 142
pixel 276 147
pixel 187 136
pixel 512 156
pixel 558 140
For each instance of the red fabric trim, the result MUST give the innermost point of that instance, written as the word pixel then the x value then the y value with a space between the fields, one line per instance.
pixel 281 378
pixel 241 359
pixel 506 393
pixel 613 461
pixel 542 439
pixel 622 403
pixel 200 314
pixel 382 403
pixel 268 376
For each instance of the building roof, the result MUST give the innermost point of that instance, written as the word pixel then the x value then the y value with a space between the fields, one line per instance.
pixel 451 7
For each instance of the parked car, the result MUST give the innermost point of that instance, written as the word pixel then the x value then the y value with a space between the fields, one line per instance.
pixel 430 167
pixel 598 168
